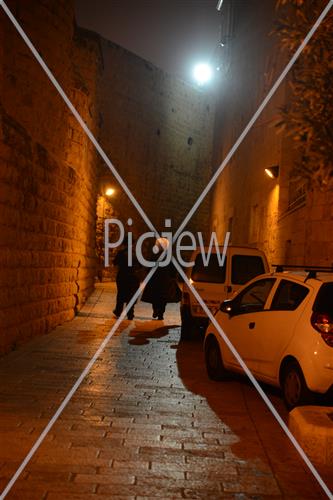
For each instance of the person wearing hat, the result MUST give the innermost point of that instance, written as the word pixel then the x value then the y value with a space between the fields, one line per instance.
pixel 162 287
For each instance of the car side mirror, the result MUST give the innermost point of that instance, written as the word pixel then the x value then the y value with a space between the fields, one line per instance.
pixel 226 307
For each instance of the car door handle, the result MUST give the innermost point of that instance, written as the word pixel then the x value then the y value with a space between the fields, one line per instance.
pixel 252 325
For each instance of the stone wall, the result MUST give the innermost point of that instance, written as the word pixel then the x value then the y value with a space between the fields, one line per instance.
pixel 292 224
pixel 157 130
pixel 47 177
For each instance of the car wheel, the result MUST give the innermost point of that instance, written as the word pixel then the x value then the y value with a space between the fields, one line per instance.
pixel 294 388
pixel 214 364
pixel 187 326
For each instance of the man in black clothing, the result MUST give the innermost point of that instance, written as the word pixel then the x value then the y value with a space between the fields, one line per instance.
pixel 162 287
pixel 127 280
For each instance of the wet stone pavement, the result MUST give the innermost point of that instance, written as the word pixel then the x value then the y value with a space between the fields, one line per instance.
pixel 145 423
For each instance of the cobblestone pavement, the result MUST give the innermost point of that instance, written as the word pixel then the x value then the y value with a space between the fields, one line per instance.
pixel 145 423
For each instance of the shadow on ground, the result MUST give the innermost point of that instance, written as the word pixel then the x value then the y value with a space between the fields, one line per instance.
pixel 148 330
pixel 252 432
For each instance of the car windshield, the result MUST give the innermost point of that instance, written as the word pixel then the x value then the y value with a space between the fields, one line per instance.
pixel 245 267
pixel 213 273
pixel 324 300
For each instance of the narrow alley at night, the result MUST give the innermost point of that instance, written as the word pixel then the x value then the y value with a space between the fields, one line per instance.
pixel 166 249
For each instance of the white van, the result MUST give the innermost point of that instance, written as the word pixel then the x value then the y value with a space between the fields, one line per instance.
pixel 215 283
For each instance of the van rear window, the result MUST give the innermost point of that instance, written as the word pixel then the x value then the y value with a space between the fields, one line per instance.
pixel 324 300
pixel 213 273
pixel 245 267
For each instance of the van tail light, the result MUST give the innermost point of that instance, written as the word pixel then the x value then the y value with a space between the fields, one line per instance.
pixel 186 299
pixel 323 323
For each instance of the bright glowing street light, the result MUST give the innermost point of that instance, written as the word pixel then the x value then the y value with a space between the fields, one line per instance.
pixel 273 172
pixel 109 191
pixel 202 73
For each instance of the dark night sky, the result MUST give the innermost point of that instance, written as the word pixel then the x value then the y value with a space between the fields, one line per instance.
pixel 172 34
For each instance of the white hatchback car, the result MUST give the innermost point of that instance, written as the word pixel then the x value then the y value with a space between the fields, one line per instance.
pixel 282 326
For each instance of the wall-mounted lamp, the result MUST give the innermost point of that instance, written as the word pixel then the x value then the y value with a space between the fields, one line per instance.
pixel 109 191
pixel 273 172
pixel 219 4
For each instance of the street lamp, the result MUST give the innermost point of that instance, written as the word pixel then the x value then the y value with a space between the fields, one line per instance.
pixel 273 172
pixel 109 191
pixel 202 73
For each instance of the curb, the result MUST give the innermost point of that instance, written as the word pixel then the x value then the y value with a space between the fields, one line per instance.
pixel 312 426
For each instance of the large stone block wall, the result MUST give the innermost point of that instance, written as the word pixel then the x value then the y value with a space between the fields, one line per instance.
pixel 47 177
pixel 157 131
pixel 254 207
pixel 245 199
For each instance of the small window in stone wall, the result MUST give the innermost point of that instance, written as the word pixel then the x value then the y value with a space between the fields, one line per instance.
pixel 296 194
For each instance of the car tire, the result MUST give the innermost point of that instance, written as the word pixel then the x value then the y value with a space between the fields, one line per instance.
pixel 214 363
pixel 187 326
pixel 294 388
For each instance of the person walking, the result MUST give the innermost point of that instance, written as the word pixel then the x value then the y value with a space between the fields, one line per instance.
pixel 162 288
pixel 127 280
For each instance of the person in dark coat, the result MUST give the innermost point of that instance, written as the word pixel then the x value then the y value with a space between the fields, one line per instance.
pixel 162 287
pixel 127 280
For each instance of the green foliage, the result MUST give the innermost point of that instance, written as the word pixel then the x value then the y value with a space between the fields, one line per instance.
pixel 308 115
